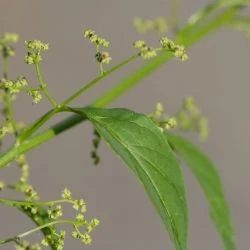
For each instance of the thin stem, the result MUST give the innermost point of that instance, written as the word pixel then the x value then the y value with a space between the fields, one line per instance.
pixel 97 79
pixel 5 67
pixel 13 203
pixel 101 69
pixel 36 229
pixel 43 85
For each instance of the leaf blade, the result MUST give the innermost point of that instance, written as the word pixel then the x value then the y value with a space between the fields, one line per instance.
pixel 211 185
pixel 144 149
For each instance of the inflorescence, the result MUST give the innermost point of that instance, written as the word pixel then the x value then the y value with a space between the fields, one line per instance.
pixel 82 228
pixel 148 52
pixel 102 57
pixel 144 25
pixel 189 118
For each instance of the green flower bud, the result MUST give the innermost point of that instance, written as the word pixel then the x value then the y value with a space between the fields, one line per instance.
pixel 36 96
pixel 103 57
pixel 66 194
pixel 36 45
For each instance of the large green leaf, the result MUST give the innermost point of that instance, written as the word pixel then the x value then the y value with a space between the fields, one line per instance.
pixel 145 150
pixel 210 182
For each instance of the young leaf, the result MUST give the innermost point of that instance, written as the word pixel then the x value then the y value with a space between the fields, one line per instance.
pixel 210 182
pixel 145 150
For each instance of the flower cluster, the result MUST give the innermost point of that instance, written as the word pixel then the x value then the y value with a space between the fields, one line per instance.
pixel 5 44
pixel 95 39
pixel 188 118
pixel 14 87
pixel 35 95
pixel 177 50
pixel 144 25
pixel 102 57
pixel 145 51
pixel 49 213
pixel 20 85
pixel 164 121
pixel 34 49
pixel 96 142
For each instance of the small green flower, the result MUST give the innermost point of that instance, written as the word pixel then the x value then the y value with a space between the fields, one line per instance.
pixel 9 38
pixel 36 95
pixel 140 44
pixel 145 51
pixel 80 205
pixel 34 49
pixel 44 242
pixel 103 57
pixel 66 194
pixel 95 39
pixel 86 239
pixel 144 25
pixel 55 213
pixel 177 50
pixel 36 45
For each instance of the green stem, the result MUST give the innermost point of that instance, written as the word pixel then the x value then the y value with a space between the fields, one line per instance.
pixel 5 67
pixel 14 203
pixel 114 93
pixel 36 229
pixel 43 85
pixel 97 79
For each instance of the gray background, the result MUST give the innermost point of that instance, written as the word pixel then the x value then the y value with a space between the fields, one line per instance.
pixel 217 75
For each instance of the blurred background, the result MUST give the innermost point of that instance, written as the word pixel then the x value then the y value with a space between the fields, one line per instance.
pixel 217 75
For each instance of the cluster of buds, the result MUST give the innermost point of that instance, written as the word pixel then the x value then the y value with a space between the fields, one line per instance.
pixel 95 39
pixel 5 44
pixel 102 57
pixel 96 142
pixel 58 243
pixel 90 226
pixel 34 49
pixel 144 25
pixel 163 121
pixel 145 51
pixel 190 118
pixel 177 50
pixel 35 95
pixel 14 87
pixel 20 85
pixel 80 207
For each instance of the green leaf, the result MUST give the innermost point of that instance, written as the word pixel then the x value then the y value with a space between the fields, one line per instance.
pixel 210 182
pixel 145 150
